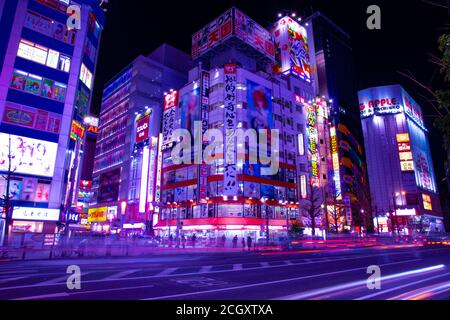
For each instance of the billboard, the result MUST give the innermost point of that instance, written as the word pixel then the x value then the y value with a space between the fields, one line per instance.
pixel 259 106
pixel 212 34
pixel 168 119
pixel 28 117
pixel 230 184
pixel 233 23
pixel 76 131
pixel 336 163
pixel 170 100
pixel 35 214
pixel 203 172
pixel 313 152
pixel 97 214
pixel 292 49
pixel 253 34
pixel 380 101
pixel 423 163
pixel 190 109
pixel 142 128
pixel 109 186
pixel 29 156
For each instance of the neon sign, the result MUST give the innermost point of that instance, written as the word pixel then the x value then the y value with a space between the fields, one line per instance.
pixel 335 157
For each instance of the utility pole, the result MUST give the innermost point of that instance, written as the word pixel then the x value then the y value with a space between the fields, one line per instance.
pixel 7 197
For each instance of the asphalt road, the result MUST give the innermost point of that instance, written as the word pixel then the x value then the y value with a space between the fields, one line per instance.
pixel 407 272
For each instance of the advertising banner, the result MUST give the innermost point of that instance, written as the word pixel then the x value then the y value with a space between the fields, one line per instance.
pixel 29 156
pixel 35 214
pixel 142 129
pixel 190 109
pixel 259 106
pixel 253 34
pixel 292 49
pixel 37 119
pixel 97 214
pixel 168 119
pixel 109 186
pixel 230 184
pixel 313 152
pixel 380 100
pixel 212 34
pixel 203 172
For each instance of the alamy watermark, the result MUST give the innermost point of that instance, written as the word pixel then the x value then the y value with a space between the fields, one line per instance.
pixel 263 146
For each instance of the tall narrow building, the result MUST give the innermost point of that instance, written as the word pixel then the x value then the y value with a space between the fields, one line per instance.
pixel 127 141
pixel 47 76
pixel 336 79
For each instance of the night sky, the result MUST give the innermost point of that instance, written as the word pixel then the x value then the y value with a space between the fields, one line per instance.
pixel 410 30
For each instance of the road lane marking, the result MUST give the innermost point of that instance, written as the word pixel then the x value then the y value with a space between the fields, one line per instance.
pixel 166 272
pixel 205 269
pixel 122 274
pixel 340 287
pixel 237 267
pixel 265 264
pixel 370 296
pixel 418 293
pixel 65 294
pixel 270 282
pixel 59 280
pixel 13 279
pixel 180 274
pixel 288 262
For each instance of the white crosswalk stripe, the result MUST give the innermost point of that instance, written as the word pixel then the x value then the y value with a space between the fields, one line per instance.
pixel 12 279
pixel 166 272
pixel 205 269
pixel 60 280
pixel 121 274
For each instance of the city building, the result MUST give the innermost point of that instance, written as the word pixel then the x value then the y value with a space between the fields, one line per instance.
pixel 335 79
pixel 128 139
pixel 47 73
pixel 247 78
pixel 401 175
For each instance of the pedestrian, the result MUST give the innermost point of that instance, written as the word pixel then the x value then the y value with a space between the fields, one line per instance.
pixel 183 241
pixel 224 239
pixel 170 241
pixel 249 243
pixel 194 238
pixel 243 244
pixel 235 241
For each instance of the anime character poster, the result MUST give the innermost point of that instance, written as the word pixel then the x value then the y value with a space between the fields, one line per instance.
pixel 190 109
pixel 259 105
pixel 29 156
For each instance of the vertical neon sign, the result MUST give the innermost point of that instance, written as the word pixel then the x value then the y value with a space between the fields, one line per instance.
pixel 313 154
pixel 335 158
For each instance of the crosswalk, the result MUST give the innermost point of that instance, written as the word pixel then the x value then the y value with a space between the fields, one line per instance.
pixel 34 278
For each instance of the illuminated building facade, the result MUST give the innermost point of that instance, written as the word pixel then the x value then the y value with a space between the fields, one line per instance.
pixel 128 139
pixel 258 80
pixel 401 175
pixel 46 86
pixel 335 79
